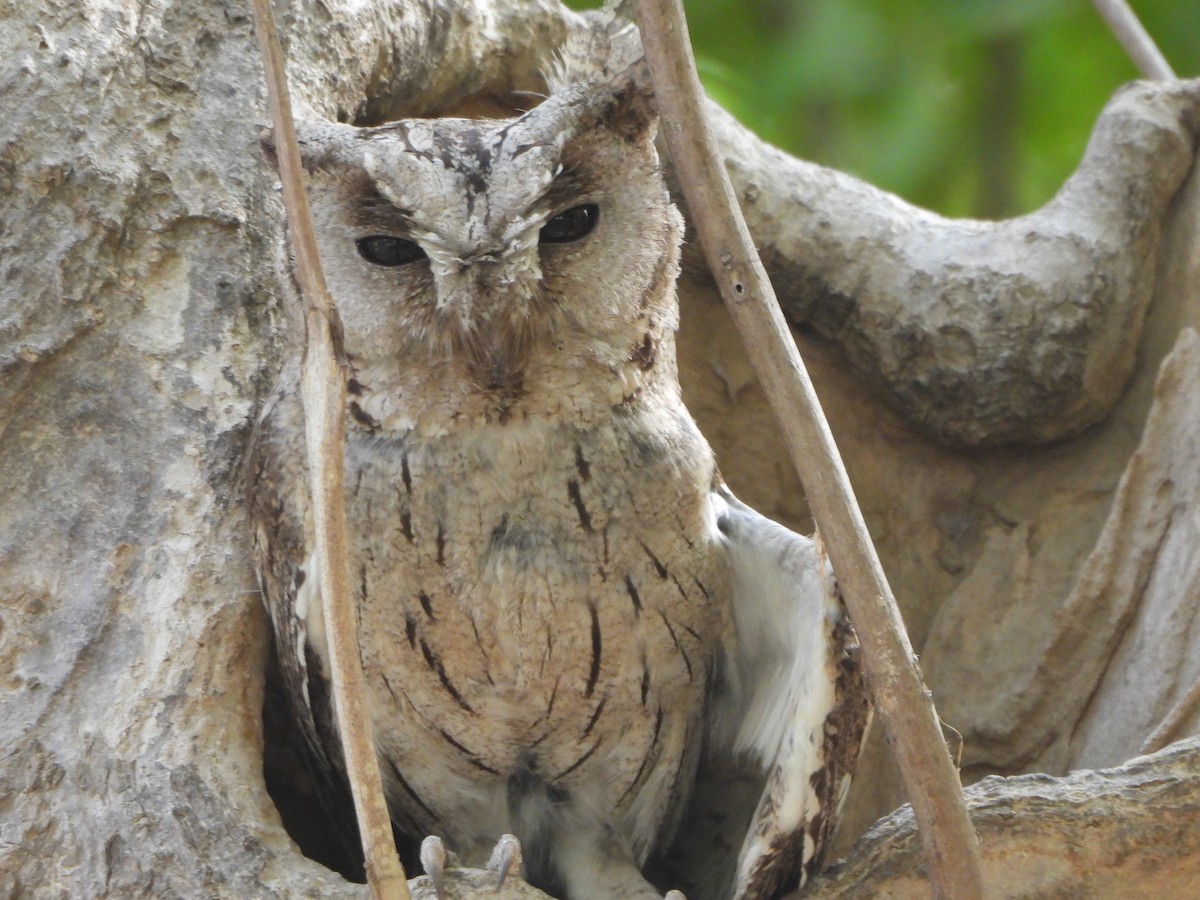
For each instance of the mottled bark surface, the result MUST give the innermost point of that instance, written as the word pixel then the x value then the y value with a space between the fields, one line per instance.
pixel 1110 834
pixel 1050 585
pixel 982 333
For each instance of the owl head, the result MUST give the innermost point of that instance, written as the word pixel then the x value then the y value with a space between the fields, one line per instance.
pixel 498 268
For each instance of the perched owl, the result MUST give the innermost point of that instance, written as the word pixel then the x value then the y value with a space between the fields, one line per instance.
pixel 564 614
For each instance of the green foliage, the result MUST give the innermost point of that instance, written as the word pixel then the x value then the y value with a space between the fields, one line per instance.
pixel 968 107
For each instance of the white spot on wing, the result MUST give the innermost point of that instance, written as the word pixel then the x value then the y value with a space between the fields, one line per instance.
pixel 783 688
pixel 311 612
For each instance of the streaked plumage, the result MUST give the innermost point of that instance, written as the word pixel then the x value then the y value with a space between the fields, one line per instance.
pixel 560 605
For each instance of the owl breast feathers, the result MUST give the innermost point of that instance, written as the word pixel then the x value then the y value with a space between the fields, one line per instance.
pixel 566 621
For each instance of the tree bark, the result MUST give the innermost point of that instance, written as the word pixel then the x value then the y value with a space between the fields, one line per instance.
pixel 1111 834
pixel 140 330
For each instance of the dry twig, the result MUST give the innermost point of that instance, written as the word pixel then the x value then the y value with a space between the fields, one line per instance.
pixel 324 394
pixel 1131 35
pixel 903 701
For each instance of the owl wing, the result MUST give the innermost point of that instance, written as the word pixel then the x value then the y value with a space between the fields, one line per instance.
pixel 793 704
pixel 278 503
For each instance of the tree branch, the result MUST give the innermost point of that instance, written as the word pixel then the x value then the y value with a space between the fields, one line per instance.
pixel 981 334
pixel 324 396
pixel 903 701
pixel 1121 832
pixel 1132 36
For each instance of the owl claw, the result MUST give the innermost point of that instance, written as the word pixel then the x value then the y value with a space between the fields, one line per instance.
pixel 505 855
pixel 674 895
pixel 433 858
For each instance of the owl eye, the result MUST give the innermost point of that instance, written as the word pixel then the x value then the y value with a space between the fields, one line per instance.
pixel 571 225
pixel 388 251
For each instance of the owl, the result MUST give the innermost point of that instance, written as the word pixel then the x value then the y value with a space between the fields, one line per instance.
pixel 566 621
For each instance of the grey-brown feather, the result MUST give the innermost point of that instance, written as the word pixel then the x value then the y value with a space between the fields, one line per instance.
pixel 281 548
pixel 545 594
pixel 794 705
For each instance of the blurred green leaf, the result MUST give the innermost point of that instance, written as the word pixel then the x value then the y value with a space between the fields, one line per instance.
pixel 968 107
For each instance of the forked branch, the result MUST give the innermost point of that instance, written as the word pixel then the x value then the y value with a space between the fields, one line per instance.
pixel 903 702
pixel 323 388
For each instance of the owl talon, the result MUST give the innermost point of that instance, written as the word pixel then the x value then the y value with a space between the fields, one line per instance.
pixel 505 855
pixel 674 895
pixel 433 858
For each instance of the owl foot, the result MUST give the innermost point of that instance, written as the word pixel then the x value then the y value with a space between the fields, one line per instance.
pixel 505 855
pixel 434 857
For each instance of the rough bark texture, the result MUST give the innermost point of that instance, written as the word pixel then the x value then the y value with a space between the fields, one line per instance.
pixel 982 333
pixel 1137 823
pixel 1051 586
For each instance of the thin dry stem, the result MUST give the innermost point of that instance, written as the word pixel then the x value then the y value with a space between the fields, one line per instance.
pixel 324 396
pixel 903 701
pixel 1134 38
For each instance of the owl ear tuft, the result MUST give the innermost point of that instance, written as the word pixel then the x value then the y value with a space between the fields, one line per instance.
pixel 619 105
pixel 631 112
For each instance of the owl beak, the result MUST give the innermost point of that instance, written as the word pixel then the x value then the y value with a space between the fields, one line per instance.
pixel 496 359
pixel 493 339
pixel 488 300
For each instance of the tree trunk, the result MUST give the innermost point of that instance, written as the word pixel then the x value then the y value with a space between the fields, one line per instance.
pixel 1047 583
